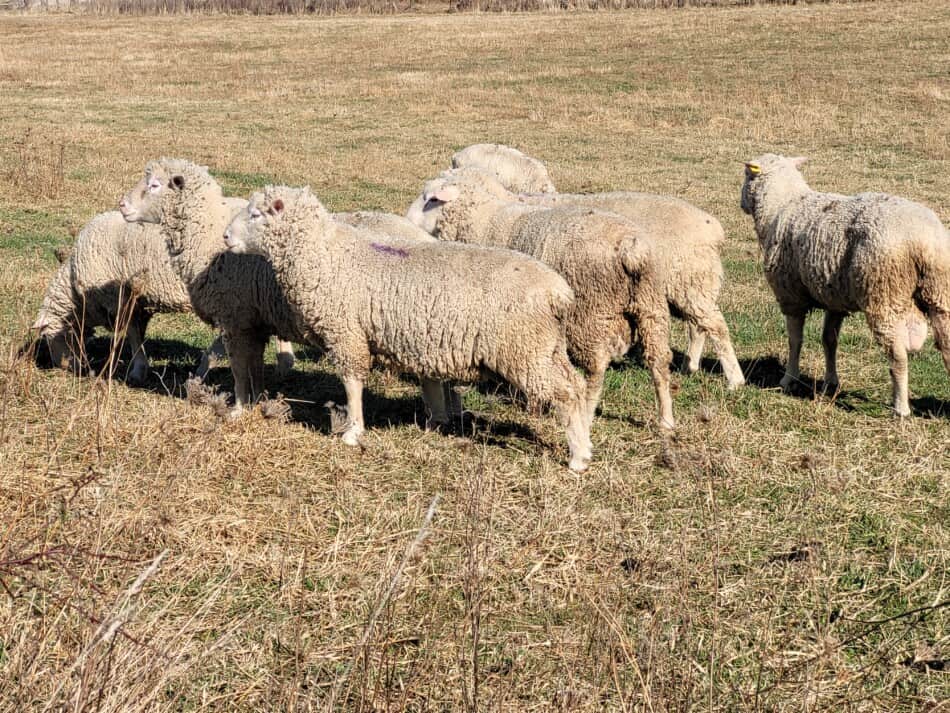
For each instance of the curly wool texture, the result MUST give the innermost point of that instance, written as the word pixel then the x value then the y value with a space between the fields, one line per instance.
pixel 688 242
pixel 447 312
pixel 519 172
pixel 388 224
pixel 110 262
pixel 236 293
pixel 872 252
pixel 616 277
pixel 424 306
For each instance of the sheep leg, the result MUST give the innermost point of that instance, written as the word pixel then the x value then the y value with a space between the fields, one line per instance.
pixel 897 355
pixel 653 327
pixel 213 354
pixel 453 402
pixel 285 357
pixel 433 396
pixel 941 324
pixel 134 335
pixel 245 352
pixel 595 387
pixel 711 322
pixel 829 341
pixel 354 409
pixel 795 325
pixel 695 341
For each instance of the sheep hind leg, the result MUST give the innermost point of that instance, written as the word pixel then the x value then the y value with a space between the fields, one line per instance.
pixel 941 325
pixel 595 387
pixel 246 354
pixel 712 322
pixel 795 325
pixel 653 327
pixel 829 341
pixel 695 341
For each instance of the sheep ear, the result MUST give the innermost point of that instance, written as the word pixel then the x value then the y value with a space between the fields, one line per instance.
pixel 276 207
pixel 40 323
pixel 446 194
pixel 799 161
pixel 753 169
pixel 177 182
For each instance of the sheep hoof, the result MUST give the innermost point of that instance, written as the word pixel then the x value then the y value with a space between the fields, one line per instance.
pixel 902 412
pixel 351 436
pixel 788 381
pixel 137 377
pixel 830 387
pixel 579 465
pixel 735 385
pixel 235 412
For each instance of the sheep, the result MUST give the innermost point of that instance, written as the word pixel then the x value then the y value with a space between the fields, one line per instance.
pixel 237 294
pixel 521 173
pixel 616 278
pixel 111 262
pixel 688 241
pixel 440 311
pixel 872 252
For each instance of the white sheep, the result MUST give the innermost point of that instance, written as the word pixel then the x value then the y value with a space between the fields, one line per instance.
pixel 237 294
pixel 520 172
pixel 874 253
pixel 617 279
pixel 440 311
pixel 111 262
pixel 688 241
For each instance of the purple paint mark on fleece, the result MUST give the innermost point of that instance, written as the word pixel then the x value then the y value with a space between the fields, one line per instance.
pixel 389 250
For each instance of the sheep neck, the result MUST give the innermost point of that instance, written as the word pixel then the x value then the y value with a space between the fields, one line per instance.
pixel 776 192
pixel 194 224
pixel 488 221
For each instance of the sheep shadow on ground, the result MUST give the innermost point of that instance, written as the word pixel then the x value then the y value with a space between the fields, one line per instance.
pixel 307 392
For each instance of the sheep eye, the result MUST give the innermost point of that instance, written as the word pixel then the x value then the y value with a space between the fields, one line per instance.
pixel 154 185
pixel 255 214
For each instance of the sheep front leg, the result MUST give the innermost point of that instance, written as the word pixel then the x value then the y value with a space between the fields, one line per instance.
pixel 354 410
pixel 829 341
pixel 285 357
pixel 433 397
pixel 246 354
pixel 795 325
pixel 135 337
pixel 941 324
pixel 213 354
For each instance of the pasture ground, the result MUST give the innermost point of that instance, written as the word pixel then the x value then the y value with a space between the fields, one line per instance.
pixel 781 553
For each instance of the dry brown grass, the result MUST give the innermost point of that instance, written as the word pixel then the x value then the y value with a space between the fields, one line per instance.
pixel 781 554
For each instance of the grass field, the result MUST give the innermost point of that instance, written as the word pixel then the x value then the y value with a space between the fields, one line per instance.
pixel 781 553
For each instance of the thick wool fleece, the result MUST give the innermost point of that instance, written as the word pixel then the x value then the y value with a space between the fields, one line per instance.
pixel 616 277
pixel 688 243
pixel 440 311
pixel 236 293
pixel 111 262
pixel 874 253
pixel 519 172
pixel 388 224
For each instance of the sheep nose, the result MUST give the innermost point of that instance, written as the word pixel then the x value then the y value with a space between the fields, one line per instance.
pixel 227 236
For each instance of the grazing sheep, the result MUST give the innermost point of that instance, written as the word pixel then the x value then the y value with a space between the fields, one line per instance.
pixel 521 173
pixel 616 278
pixel 238 294
pixel 688 241
pixel 436 310
pixel 110 263
pixel 874 253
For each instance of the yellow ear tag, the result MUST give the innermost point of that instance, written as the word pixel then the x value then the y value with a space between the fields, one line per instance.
pixel 753 168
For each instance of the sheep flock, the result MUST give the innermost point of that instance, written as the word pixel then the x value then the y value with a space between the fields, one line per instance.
pixel 494 274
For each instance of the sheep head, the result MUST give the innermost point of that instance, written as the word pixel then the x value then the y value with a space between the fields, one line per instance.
pixel 262 226
pixel 758 169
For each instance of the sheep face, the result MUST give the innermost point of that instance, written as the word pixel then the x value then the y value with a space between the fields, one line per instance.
pixel 426 210
pixel 245 232
pixel 144 202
